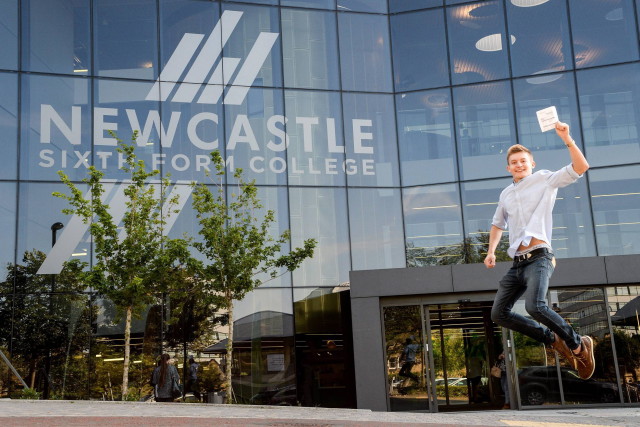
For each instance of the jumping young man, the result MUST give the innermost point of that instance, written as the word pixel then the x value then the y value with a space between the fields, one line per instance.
pixel 526 206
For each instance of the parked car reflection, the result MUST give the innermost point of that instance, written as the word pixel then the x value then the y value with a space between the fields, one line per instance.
pixel 539 384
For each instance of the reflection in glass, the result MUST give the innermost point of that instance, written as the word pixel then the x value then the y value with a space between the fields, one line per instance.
pixel 433 225
pixel 9 125
pixel 7 222
pixel 477 42
pixel 120 106
pixel 484 128
pixel 543 43
pixel 603 32
pixel 310 49
pixel 318 213
pixel 615 202
pixel 126 39
pixel 427 148
pixel 9 35
pixel 572 229
pixel 480 200
pixel 406 5
pixel 610 111
pixel 372 152
pixel 316 4
pixel 67 22
pixel 624 303
pixel 365 59
pixel 535 93
pixel 379 6
pixel 375 218
pixel 56 127
pixel 405 358
pixel 314 127
pixel 324 348
pixel 256 138
pixel 585 310
pixel 419 50
pixel 264 359
pixel 258 27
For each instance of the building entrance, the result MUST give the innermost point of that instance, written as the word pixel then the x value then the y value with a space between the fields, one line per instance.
pixel 439 357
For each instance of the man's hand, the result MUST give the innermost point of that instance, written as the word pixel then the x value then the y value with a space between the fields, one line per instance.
pixel 490 260
pixel 562 129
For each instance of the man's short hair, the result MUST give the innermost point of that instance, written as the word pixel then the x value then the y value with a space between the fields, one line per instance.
pixel 518 149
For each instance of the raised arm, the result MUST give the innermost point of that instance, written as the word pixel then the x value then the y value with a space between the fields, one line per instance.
pixel 578 161
pixel 494 238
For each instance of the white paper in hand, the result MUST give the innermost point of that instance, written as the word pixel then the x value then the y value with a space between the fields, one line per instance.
pixel 547 118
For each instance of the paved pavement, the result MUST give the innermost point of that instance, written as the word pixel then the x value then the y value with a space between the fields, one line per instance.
pixel 15 413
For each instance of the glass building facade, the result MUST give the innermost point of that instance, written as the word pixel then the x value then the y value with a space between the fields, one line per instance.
pixel 377 127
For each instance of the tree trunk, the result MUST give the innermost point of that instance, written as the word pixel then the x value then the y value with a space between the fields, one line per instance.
pixel 127 351
pixel 229 353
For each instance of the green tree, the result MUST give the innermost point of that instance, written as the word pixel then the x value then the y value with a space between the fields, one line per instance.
pixel 131 266
pixel 237 246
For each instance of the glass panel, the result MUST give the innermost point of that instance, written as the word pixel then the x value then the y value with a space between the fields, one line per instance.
pixel 39 210
pixel 536 368
pixel 9 125
pixel 372 151
pixel 56 127
pixel 317 4
pixel 616 208
pixel 405 358
pixel 476 42
pixel 7 225
pixel 192 131
pixel 51 334
pixel 126 39
pixel 542 32
pixel 177 18
pixel 365 59
pixel 405 5
pixel 318 213
pixel 375 217
pixel 316 149
pixel 310 49
pixel 433 225
pixel 379 6
pixel 324 348
pixel 603 32
pixel 624 303
pixel 535 93
pixel 8 381
pixel 427 148
pixel 56 36
pixel 610 108
pixel 9 34
pixel 108 350
pixel 256 137
pixel 271 2
pixel 480 200
pixel 263 340
pixel 419 50
pixel 484 128
pixel 121 106
pixel 255 39
pixel 585 310
pixel 572 225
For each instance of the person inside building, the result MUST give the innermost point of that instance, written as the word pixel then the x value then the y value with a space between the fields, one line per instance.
pixel 193 384
pixel 408 359
pixel 525 206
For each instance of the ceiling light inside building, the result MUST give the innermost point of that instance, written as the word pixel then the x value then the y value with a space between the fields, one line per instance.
pixel 528 3
pixel 614 15
pixel 492 43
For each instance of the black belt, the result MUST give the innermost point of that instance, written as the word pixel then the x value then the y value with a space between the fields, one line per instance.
pixel 533 253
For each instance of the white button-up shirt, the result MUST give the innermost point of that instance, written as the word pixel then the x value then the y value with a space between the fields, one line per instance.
pixel 526 207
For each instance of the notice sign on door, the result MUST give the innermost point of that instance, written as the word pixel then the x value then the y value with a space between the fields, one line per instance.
pixel 275 362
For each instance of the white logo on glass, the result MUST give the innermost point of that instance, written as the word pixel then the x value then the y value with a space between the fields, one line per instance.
pixel 205 61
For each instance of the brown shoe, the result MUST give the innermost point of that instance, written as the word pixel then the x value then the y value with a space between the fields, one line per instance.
pixel 563 350
pixel 586 361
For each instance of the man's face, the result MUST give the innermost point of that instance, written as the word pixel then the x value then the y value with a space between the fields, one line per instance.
pixel 520 165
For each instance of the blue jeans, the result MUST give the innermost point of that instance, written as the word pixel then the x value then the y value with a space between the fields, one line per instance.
pixel 531 279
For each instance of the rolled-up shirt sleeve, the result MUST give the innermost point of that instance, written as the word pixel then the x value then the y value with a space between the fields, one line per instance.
pixel 562 177
pixel 500 217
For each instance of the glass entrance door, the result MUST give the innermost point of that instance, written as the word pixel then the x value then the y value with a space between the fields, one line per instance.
pixel 464 345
